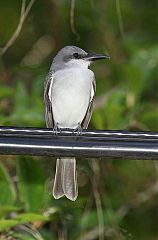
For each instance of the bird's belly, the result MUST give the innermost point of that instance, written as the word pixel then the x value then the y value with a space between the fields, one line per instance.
pixel 70 100
pixel 70 108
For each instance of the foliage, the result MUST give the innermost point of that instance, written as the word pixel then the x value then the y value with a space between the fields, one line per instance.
pixel 117 199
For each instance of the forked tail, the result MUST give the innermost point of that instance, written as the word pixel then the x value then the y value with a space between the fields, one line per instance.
pixel 65 182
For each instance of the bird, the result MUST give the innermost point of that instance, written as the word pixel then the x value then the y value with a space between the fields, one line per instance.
pixel 69 92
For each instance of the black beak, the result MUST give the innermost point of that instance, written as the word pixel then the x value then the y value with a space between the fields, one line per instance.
pixel 94 56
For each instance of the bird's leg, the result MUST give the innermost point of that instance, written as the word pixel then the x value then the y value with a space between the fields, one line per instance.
pixel 78 130
pixel 56 129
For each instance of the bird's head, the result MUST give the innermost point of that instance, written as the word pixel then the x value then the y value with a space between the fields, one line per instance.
pixel 71 56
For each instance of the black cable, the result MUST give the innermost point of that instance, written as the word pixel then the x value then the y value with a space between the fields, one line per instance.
pixel 91 143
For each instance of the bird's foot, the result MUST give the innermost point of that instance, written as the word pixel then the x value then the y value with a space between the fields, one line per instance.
pixel 78 130
pixel 56 129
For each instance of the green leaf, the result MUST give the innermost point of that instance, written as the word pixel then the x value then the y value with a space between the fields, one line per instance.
pixel 31 217
pixel 6 224
pixel 31 183
pixel 7 190
pixel 7 209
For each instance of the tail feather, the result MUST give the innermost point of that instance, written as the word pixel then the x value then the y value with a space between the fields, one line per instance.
pixel 57 189
pixel 65 179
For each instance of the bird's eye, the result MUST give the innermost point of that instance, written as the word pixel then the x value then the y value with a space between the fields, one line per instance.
pixel 76 55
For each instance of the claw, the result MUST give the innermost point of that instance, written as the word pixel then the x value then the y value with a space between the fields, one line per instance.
pixel 56 129
pixel 78 130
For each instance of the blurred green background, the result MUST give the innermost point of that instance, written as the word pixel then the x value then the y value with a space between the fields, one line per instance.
pixel 117 199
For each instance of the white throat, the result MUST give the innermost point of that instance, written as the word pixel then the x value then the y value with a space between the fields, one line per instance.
pixel 78 63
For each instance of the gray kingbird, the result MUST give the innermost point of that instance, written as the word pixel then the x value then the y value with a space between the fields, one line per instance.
pixel 69 95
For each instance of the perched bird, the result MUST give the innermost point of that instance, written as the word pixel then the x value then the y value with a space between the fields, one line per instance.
pixel 69 94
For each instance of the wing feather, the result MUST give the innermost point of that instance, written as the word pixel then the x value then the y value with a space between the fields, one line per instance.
pixel 88 115
pixel 47 100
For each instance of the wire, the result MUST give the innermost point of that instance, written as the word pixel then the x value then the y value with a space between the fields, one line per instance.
pixel 90 143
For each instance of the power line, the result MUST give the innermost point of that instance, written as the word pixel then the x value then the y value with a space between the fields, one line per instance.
pixel 91 143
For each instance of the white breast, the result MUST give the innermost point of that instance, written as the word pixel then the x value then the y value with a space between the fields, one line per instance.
pixel 70 95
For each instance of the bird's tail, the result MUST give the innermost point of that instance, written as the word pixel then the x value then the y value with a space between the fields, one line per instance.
pixel 65 182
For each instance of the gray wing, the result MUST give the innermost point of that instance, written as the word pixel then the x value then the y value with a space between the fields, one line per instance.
pixel 48 105
pixel 88 115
